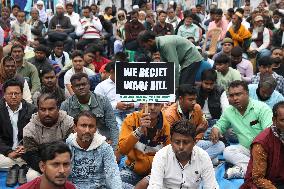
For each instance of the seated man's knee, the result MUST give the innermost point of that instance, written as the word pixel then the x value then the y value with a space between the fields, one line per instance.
pixel 229 151
pixel 6 162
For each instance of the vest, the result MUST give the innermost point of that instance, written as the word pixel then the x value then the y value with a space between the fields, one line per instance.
pixel 214 103
pixel 275 151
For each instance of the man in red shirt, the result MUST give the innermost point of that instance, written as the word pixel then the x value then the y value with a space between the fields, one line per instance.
pixel 99 60
pixel 55 165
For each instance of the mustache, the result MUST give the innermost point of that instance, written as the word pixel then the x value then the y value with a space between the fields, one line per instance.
pixel 61 176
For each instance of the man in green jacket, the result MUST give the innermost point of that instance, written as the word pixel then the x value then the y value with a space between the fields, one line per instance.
pixel 175 49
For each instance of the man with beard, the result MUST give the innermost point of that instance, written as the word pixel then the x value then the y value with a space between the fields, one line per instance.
pixel 265 91
pixel 277 38
pixel 174 49
pixel 59 28
pixel 277 57
pixel 24 68
pixel 49 124
pixel 260 39
pixel 240 35
pixel 41 60
pixel 49 85
pixel 55 165
pixel 37 27
pixel 132 30
pixel 182 164
pixel 90 148
pixel 211 97
pixel 84 99
pixel 248 118
pixel 89 29
pixel 142 135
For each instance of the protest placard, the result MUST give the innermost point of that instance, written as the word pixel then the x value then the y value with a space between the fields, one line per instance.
pixel 145 82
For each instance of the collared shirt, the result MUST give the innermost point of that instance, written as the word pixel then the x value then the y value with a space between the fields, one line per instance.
pixel 14 115
pixel 30 73
pixel 246 70
pixel 274 98
pixel 189 31
pixel 256 118
pixel 18 29
pixel 167 172
pixel 163 30
pixel 279 79
pixel 85 107
pixel 225 80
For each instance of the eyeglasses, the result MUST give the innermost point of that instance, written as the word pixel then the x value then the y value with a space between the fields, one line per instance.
pixel 13 94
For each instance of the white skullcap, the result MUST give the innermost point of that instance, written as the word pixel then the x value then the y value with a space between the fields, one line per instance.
pixel 40 2
pixel 59 5
pixel 135 7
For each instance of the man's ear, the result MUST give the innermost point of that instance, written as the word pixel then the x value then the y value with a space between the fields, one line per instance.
pixel 42 166
pixel 74 128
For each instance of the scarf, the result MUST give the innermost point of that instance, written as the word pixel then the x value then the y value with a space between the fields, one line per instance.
pixel 240 36
pixel 278 133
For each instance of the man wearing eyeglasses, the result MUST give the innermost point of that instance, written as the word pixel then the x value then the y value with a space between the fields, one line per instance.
pixel 15 113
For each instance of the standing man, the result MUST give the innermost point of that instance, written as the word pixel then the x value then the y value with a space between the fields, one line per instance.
pixel 248 118
pixel 55 165
pixel 175 49
pixel 24 68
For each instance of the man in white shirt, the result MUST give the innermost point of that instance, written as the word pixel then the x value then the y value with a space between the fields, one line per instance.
pixel 74 18
pixel 15 113
pixel 260 38
pixel 182 164
pixel 78 67
pixel 89 29
pixel 107 88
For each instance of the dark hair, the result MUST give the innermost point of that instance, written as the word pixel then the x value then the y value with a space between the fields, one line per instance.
pixel 48 96
pixel 184 127
pixel 238 83
pixel 162 12
pixel 198 5
pixel 209 75
pixel 267 81
pixel 107 8
pixel 189 15
pixel 16 6
pixel 120 56
pixel 17 46
pixel 276 48
pixel 85 113
pixel 41 48
pixel 212 11
pixel 265 61
pixel 133 12
pixel 222 59
pixel 282 21
pixel 240 10
pixel 87 7
pixel 13 82
pixel 77 53
pixel 58 44
pixel 186 89
pixel 277 106
pixel 219 12
pixel 20 11
pixel 8 58
pixel 276 12
pixel 48 151
pixel 145 36
pixel 110 66
pixel 237 51
pixel 78 76
pixel 93 5
pixel 88 50
pixel 69 5
pixel 231 11
pixel 46 69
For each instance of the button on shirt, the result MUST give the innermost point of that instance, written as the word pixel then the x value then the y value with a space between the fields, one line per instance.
pixel 14 115
pixel 256 118
pixel 167 172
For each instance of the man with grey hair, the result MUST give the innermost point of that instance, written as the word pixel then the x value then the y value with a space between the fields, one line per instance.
pixel 37 26
pixel 265 91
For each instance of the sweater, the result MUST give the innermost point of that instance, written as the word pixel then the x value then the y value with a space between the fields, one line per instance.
pixel 36 134
pixel 95 167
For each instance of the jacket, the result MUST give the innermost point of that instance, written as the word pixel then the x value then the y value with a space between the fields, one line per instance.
pixel 277 38
pixel 36 134
pixel 6 131
pixel 95 167
pixel 214 103
pixel 64 22
pixel 140 153
pixel 172 115
pixel 101 107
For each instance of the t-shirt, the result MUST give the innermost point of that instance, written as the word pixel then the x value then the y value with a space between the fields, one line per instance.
pixel 35 184
pixel 98 65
